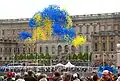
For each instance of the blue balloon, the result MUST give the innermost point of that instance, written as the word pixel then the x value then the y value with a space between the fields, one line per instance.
pixel 100 74
pixel 109 68
pixel 32 23
pixel 24 35
pixel 56 15
pixel 57 29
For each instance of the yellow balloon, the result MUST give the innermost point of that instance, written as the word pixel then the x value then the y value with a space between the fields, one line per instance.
pixel 39 34
pixel 47 27
pixel 79 40
pixel 28 40
pixel 38 17
pixel 69 20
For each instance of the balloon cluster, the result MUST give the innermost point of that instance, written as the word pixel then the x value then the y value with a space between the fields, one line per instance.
pixel 106 67
pixel 52 21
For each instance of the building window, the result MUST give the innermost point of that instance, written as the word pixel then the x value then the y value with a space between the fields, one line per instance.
pixel 59 49
pixel 112 56
pixel 46 49
pixel 18 50
pixel 104 46
pixel 14 50
pixel 0 58
pixel 40 49
pixel 73 49
pixel 87 49
pixel 66 48
pixel 34 49
pixel 13 32
pixel 5 58
pixel 96 56
pixel 23 50
pixel 96 47
pixel 3 32
pixel 111 46
pixel 87 37
pixel 80 29
pixel 80 49
pixel 28 50
pixel 94 29
pixel 10 50
pixel 87 29
pixel 0 50
pixel 53 49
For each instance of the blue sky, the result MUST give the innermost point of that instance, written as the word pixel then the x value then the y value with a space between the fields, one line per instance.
pixel 12 9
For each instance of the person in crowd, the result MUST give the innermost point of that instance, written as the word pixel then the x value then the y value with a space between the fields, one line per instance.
pixel 57 76
pixel 67 76
pixel 30 77
pixel 106 76
pixel 75 77
pixel 42 77
pixel 9 77
pixel 95 77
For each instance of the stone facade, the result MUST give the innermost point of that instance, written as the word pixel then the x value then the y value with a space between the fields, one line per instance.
pixel 87 25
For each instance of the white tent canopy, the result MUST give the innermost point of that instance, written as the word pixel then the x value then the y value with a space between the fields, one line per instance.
pixel 69 65
pixel 59 64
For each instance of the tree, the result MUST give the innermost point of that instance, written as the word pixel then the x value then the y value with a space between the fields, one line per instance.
pixel 21 57
pixel 41 56
pixel 80 56
pixel 47 56
pixel 16 57
pixel 74 57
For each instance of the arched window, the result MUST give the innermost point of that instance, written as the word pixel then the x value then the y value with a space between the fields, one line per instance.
pixel 53 49
pixel 40 49
pixel 73 49
pixel 66 48
pixel 46 49
pixel 28 50
pixel 59 49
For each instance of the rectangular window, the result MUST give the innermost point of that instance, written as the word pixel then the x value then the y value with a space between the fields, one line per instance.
pixel 1 50
pixel 40 49
pixel 111 46
pixel 23 50
pixel 14 50
pixel 104 46
pixel 53 50
pixel 87 29
pixel 3 32
pixel 13 32
pixel 87 49
pixel 94 29
pixel 46 49
pixel 96 47
pixel 29 50
pixel 10 50
pixel 18 50
pixel 80 29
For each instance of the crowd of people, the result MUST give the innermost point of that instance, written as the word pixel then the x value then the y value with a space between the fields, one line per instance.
pixel 58 76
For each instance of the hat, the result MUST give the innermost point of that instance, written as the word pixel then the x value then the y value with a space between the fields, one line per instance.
pixel 9 74
pixel 75 75
pixel 105 72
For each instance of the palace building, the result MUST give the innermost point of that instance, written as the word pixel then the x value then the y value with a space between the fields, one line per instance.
pixel 101 30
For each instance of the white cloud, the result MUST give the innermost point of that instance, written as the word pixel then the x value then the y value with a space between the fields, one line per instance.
pixel 27 8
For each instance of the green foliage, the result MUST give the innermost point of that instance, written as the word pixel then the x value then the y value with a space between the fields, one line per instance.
pixel 74 57
pixel 47 56
pixel 80 56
